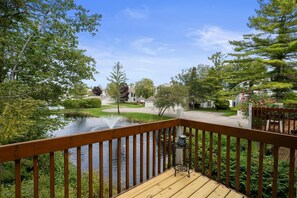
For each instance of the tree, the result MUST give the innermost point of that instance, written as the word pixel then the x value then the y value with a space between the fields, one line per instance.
pixel 145 88
pixel 97 90
pixel 171 96
pixel 117 78
pixel 272 50
pixel 124 91
pixel 194 79
pixel 79 90
pixel 40 61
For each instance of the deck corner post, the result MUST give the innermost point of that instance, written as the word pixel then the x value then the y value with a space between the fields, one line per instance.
pixel 250 115
pixel 179 131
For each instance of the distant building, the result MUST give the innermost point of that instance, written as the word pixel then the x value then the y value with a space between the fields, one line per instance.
pixel 131 96
pixel 149 103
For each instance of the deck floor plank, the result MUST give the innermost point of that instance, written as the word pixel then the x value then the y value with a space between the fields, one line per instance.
pixel 192 187
pixel 168 185
pixel 206 190
pixel 161 185
pixel 148 184
pixel 220 191
pixel 171 190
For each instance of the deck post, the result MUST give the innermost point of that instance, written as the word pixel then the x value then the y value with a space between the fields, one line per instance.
pixel 179 152
pixel 250 115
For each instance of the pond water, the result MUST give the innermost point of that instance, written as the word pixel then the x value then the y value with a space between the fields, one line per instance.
pixel 83 125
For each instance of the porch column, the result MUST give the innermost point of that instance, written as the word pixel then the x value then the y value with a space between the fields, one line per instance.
pixel 179 131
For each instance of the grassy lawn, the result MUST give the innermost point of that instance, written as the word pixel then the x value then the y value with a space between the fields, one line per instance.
pixel 125 105
pixel 135 117
pixel 228 112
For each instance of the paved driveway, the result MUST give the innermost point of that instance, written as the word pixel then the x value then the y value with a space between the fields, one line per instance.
pixel 210 117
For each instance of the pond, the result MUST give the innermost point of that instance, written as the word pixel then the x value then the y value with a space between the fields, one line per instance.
pixel 83 125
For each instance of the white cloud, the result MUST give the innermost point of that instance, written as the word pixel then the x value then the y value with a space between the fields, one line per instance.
pixel 214 38
pixel 141 13
pixel 148 46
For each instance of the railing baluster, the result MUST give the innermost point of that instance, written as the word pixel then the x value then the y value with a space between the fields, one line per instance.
pixel 237 163
pixel 101 168
pixel 275 171
pixel 90 170
pixel 291 173
pixel 52 175
pixel 169 148
pixel 141 157
pixel 35 170
pixel 196 151
pixel 210 154
pixel 228 161
pixel 78 168
pixel 66 174
pixel 203 152
pixel 119 166
pixel 260 178
pixel 219 158
pixel 147 155
pixel 154 153
pixel 173 146
pixel 248 167
pixel 164 149
pixel 127 163
pixel 18 178
pixel 134 160
pixel 159 151
pixel 190 148
pixel 110 167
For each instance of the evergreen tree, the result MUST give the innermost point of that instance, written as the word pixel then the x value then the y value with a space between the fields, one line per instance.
pixel 117 78
pixel 267 58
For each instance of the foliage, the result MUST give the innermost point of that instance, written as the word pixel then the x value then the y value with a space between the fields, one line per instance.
pixel 23 118
pixel 222 104
pixel 193 79
pixel 117 78
pixel 79 90
pixel 82 103
pixel 268 57
pixel 256 100
pixel 283 166
pixel 145 88
pixel 169 96
pixel 124 91
pixel 97 90
pixel 39 63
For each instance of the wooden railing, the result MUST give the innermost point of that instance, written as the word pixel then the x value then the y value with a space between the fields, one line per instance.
pixel 281 120
pixel 212 153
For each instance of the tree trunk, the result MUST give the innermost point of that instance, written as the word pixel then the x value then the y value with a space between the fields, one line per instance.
pixel 118 104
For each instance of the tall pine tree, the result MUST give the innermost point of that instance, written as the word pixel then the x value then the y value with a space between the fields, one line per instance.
pixel 271 52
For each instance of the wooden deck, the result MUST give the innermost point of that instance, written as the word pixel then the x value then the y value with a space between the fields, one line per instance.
pixel 180 186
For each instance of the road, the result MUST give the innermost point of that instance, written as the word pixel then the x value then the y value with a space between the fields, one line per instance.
pixel 202 116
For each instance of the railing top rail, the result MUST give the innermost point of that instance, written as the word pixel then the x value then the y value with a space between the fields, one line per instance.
pixel 279 139
pixel 274 109
pixel 37 147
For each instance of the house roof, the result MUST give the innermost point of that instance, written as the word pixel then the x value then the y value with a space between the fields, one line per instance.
pixel 151 99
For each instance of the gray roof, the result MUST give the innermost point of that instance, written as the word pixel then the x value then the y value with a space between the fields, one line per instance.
pixel 152 98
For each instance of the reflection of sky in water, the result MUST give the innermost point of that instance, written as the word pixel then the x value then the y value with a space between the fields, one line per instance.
pixel 82 125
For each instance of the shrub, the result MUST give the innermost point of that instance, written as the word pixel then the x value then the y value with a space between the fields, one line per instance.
pixel 222 104
pixel 82 103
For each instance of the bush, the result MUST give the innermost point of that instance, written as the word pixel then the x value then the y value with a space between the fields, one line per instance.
pixel 222 104
pixel 83 103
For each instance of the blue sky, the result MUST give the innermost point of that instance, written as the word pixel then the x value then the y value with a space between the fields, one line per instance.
pixel 157 39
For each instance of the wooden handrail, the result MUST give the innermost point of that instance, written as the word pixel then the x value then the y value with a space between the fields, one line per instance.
pixel 21 150
pixel 279 139
pixel 203 157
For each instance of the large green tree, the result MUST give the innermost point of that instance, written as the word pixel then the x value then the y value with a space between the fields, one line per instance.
pixel 117 78
pixel 271 50
pixel 39 61
pixel 170 97
pixel 145 88
pixel 194 79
